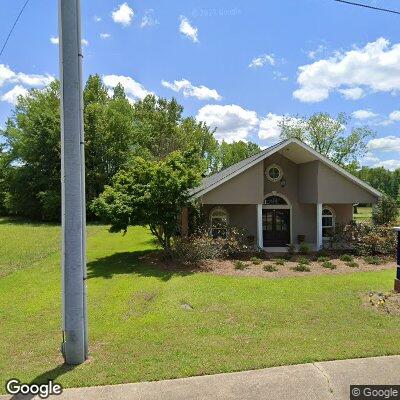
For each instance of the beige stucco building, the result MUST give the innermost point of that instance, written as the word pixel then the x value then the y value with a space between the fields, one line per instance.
pixel 285 194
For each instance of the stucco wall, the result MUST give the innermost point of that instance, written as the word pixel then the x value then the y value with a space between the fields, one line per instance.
pixel 245 188
pixel 343 212
pixel 308 179
pixel 335 188
pixel 304 216
pixel 305 186
pixel 242 216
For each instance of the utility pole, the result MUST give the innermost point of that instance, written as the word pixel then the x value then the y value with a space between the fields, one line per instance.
pixel 74 347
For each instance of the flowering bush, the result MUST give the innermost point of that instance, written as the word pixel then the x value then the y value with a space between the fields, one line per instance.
pixel 366 239
pixel 202 246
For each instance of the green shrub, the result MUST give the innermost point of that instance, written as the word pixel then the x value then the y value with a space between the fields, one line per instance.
pixel 287 257
pixel 301 268
pixel 256 260
pixel 323 253
pixel 270 268
pixel 322 259
pixel 374 260
pixel 346 258
pixel 201 246
pixel 304 248
pixel 352 264
pixel 329 265
pixel 303 261
pixel 280 261
pixel 385 211
pixel 291 249
pixel 367 239
pixel 240 265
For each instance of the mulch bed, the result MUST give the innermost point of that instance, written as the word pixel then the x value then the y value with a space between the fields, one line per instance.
pixel 227 267
pixel 249 268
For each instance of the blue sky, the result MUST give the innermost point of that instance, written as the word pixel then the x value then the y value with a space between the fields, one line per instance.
pixel 238 65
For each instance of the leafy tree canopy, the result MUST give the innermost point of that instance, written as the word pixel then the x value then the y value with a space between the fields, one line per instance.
pixel 151 193
pixel 231 153
pixel 329 136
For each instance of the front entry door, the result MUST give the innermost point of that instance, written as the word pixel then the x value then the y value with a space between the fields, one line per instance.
pixel 276 227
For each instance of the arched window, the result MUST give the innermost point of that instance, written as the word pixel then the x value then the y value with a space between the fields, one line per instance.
pixel 219 220
pixel 328 222
pixel 275 201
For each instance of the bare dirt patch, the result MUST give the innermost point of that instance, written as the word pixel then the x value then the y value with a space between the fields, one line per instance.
pixel 388 303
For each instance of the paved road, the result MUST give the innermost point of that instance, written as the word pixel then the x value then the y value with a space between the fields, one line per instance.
pixel 318 381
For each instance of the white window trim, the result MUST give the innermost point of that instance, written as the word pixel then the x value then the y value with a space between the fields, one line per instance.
pixel 278 168
pixel 333 220
pixel 215 209
pixel 277 207
pixel 280 207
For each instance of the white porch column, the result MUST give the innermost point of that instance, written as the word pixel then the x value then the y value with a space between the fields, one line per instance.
pixel 319 226
pixel 259 226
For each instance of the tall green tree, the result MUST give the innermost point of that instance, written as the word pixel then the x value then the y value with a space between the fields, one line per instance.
pixel 160 129
pixel 32 137
pixel 381 179
pixel 32 156
pixel 329 136
pixel 231 153
pixel 108 134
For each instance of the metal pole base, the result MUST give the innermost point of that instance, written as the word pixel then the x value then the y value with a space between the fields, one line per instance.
pixel 397 285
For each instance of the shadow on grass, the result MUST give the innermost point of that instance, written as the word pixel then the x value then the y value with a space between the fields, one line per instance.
pixel 25 221
pixel 52 374
pixel 136 262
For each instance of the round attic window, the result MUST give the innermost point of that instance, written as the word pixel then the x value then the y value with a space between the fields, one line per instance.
pixel 274 173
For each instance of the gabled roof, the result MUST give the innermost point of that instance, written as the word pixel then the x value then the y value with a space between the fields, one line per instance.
pixel 211 182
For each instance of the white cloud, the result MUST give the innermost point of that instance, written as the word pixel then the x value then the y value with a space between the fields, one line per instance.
pixel 96 18
pixel 375 67
pixel 387 143
pixel 314 53
pixel 188 90
pixel 133 89
pixel 364 114
pixel 123 14
pixel 56 40
pixel 12 95
pixel 388 164
pixel 269 127
pixel 148 19
pixel 7 76
pixel 279 75
pixel 104 35
pixel 394 116
pixel 369 158
pixel 232 122
pixel 260 61
pixel 186 28
pixel 355 93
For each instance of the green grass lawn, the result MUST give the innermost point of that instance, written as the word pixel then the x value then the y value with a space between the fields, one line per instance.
pixel 140 331
pixel 364 215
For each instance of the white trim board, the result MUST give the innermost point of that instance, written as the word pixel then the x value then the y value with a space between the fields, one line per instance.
pixel 276 148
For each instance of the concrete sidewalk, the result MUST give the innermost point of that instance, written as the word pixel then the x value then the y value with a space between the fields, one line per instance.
pixel 318 381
